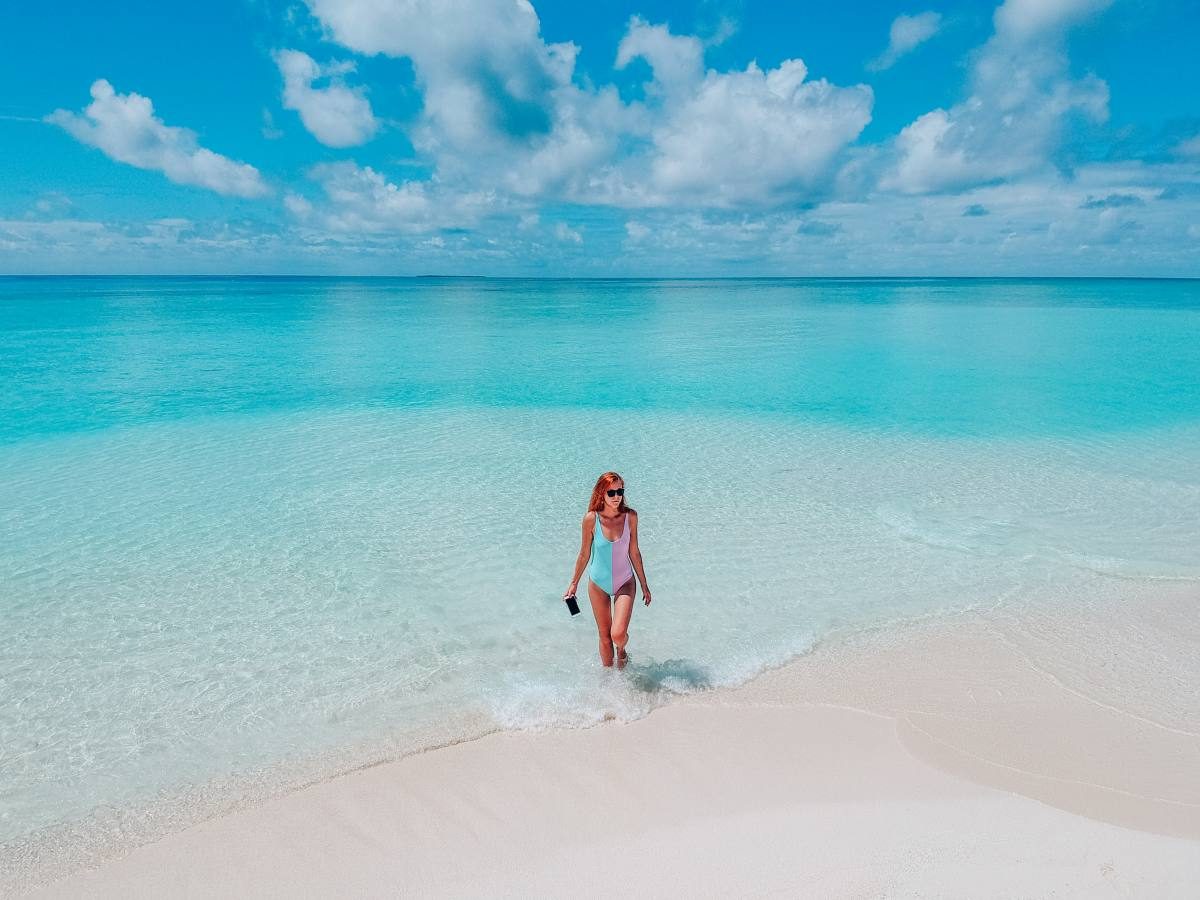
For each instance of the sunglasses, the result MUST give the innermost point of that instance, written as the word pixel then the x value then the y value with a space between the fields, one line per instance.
pixel 619 492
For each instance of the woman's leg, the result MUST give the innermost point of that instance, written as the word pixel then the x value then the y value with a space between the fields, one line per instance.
pixel 622 613
pixel 601 610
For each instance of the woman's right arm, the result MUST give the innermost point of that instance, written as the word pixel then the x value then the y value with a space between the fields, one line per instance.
pixel 589 522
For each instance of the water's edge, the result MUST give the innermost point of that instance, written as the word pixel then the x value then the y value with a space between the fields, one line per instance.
pixel 111 833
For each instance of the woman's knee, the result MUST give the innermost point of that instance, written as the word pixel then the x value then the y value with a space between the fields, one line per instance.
pixel 619 634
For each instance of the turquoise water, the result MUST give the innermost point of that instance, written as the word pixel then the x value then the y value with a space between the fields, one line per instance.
pixel 954 356
pixel 257 531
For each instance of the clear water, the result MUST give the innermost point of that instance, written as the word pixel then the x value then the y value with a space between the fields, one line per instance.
pixel 255 531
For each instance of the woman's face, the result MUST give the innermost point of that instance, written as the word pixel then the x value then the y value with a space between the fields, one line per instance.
pixel 611 501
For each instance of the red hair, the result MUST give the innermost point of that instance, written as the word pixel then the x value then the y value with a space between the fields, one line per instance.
pixel 602 484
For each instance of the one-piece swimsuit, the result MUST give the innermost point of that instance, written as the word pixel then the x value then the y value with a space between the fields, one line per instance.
pixel 609 566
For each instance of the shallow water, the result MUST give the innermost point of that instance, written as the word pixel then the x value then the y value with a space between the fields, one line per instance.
pixel 261 530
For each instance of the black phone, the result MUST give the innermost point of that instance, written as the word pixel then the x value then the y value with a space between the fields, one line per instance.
pixel 572 605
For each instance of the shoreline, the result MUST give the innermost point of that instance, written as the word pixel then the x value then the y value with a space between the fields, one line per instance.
pixel 1039 718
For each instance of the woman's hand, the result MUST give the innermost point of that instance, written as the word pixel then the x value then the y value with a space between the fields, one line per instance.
pixel 646 596
pixel 570 590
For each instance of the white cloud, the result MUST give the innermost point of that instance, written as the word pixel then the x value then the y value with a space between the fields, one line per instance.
pixel 729 138
pixel 501 107
pixel 485 70
pixel 567 234
pixel 1043 223
pixel 1189 148
pixel 586 135
pixel 29 238
pixel 1020 97
pixel 125 128
pixel 1025 20
pixel 677 60
pixel 363 200
pixel 636 231
pixel 907 33
pixel 336 115
pixel 52 204
pixel 159 245
pixel 1039 224
pixel 714 159
pixel 360 199
pixel 269 131
pixel 298 206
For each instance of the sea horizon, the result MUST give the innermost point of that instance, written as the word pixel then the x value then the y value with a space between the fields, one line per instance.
pixel 300 276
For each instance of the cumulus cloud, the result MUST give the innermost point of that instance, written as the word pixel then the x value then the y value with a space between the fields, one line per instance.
pixel 124 128
pixel 677 60
pixel 906 34
pixel 501 107
pixel 360 199
pixel 336 115
pixel 730 138
pixel 716 161
pixel 482 64
pixel 1021 95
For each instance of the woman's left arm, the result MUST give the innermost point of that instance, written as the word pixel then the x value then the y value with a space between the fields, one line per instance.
pixel 635 556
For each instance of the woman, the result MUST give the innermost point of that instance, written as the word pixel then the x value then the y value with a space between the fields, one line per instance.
pixel 610 552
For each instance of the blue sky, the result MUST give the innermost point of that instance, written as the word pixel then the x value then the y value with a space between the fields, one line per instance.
pixel 1039 137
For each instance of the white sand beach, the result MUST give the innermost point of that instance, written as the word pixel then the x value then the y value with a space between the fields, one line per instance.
pixel 983 755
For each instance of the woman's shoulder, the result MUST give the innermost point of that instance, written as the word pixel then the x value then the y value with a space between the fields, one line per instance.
pixel 631 511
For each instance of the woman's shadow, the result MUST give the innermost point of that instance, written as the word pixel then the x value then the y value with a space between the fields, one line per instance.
pixel 673 675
